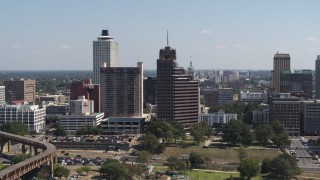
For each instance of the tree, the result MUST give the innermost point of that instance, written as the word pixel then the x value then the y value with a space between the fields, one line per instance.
pixel 247 112
pixel 264 133
pixel 277 127
pixel 175 164
pixel 237 132
pixel 114 170
pixel 166 130
pixel 282 167
pixel 248 168
pixel 195 160
pixel 60 171
pixel 19 158
pixel 79 170
pixel 88 129
pixel 15 127
pixel 143 157
pixel 86 169
pixel 198 131
pixel 281 139
pixel 150 143
pixel 60 131
pixel 265 166
pixel 242 153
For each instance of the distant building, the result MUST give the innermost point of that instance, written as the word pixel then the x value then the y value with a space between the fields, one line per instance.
pixel 177 93
pixel 54 110
pixel 20 90
pixel 281 62
pixel 81 106
pixel 254 96
pixel 217 118
pixel 88 89
pixel 211 97
pixel 317 78
pixel 190 71
pixel 296 81
pixel 122 91
pixel 72 123
pixel 30 115
pixel 2 95
pixel 311 117
pixel 149 90
pixel 260 117
pixel 53 99
pixel 225 96
pixel 105 50
pixel 287 111
pixel 122 125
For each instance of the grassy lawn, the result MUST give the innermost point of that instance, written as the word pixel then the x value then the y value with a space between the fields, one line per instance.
pixel 199 175
pixel 221 153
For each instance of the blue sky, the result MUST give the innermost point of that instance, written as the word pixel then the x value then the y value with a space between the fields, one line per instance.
pixel 230 34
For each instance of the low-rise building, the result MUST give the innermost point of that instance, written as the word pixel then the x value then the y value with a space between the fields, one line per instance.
pixel 122 125
pixel 254 96
pixel 72 123
pixel 260 117
pixel 217 118
pixel 311 117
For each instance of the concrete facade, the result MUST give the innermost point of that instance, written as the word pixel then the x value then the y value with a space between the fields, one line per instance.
pixel 20 89
pixel 122 125
pixel 219 117
pixel 281 62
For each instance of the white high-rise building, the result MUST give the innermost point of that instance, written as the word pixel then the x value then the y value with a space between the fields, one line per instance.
pixel 105 51
pixel 2 94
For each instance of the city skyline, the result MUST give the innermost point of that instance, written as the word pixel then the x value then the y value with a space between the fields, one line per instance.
pixel 215 34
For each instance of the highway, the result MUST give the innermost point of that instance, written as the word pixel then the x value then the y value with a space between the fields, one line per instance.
pixel 48 156
pixel 306 161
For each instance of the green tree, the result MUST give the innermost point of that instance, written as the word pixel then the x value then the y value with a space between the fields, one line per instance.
pixel 60 131
pixel 248 168
pixel 277 127
pixel 237 132
pixel 19 158
pixel 242 153
pixel 88 129
pixel 86 169
pixel 281 139
pixel 60 171
pixel 247 112
pixel 198 131
pixel 15 127
pixel 114 170
pixel 150 143
pixel 195 160
pixel 264 133
pixel 265 166
pixel 175 164
pixel 79 170
pixel 283 167
pixel 143 157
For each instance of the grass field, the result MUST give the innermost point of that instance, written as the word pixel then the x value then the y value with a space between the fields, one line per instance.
pixel 221 154
pixel 200 175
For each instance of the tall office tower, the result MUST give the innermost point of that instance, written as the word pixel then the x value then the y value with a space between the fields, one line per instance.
pixel 211 97
pixel 191 70
pixel 2 94
pixel 20 90
pixel 105 50
pixel 281 62
pixel 298 81
pixel 81 106
pixel 88 89
pixel 311 117
pixel 287 111
pixel 122 91
pixel 149 90
pixel 177 93
pixel 317 77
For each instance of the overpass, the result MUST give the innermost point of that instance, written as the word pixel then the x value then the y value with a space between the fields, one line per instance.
pixel 47 156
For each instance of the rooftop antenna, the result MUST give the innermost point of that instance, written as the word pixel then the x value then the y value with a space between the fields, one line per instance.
pixel 167 38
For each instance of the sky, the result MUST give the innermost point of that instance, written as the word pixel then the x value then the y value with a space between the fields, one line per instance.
pixel 224 34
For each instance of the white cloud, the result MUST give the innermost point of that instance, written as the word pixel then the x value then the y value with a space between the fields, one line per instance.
pixel 17 46
pixel 64 46
pixel 205 31
pixel 312 39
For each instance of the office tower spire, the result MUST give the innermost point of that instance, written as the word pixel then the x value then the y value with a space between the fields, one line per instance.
pixel 105 51
pixel 167 38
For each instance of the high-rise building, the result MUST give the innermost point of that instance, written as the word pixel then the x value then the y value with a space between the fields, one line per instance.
pixel 225 96
pixel 88 89
pixel 281 62
pixel 191 70
pixel 317 74
pixel 2 94
pixel 149 91
pixel 122 91
pixel 296 81
pixel 81 106
pixel 20 90
pixel 211 97
pixel 311 117
pixel 105 50
pixel 177 93
pixel 287 111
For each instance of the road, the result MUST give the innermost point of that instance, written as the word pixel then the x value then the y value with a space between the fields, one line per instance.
pixel 306 163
